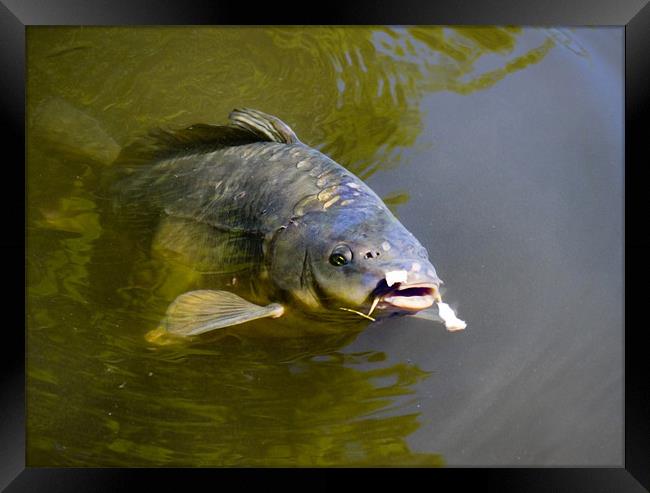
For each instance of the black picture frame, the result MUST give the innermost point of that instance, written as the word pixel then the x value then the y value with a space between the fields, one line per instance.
pixel 15 15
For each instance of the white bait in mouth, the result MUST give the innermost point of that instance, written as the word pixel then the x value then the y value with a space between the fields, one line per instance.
pixel 452 322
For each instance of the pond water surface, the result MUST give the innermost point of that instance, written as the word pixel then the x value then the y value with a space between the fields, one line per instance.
pixel 500 149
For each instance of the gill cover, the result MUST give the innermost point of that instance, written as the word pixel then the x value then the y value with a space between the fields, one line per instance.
pixel 289 261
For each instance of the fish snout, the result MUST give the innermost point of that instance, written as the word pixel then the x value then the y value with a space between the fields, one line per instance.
pixel 411 273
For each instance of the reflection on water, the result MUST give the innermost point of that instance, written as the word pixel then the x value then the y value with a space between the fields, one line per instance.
pixel 98 392
pixel 226 404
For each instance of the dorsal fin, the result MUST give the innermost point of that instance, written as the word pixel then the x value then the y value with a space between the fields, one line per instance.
pixel 162 143
pixel 268 127
pixel 246 126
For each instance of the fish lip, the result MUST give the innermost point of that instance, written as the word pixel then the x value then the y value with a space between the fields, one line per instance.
pixel 397 296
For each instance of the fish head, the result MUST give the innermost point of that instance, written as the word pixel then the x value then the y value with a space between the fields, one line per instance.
pixel 365 260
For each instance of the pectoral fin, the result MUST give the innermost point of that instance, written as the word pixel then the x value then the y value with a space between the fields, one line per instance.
pixel 197 312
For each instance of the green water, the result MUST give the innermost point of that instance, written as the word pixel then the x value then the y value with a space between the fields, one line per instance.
pixel 98 392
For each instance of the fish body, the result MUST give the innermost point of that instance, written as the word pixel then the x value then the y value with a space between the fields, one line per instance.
pixel 250 201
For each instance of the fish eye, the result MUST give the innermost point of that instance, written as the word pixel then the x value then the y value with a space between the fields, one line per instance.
pixel 341 255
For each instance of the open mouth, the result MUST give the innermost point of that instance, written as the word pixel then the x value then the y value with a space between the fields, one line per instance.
pixel 410 297
pixel 401 296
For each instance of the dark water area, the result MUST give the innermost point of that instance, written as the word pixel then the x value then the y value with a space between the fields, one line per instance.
pixel 500 149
